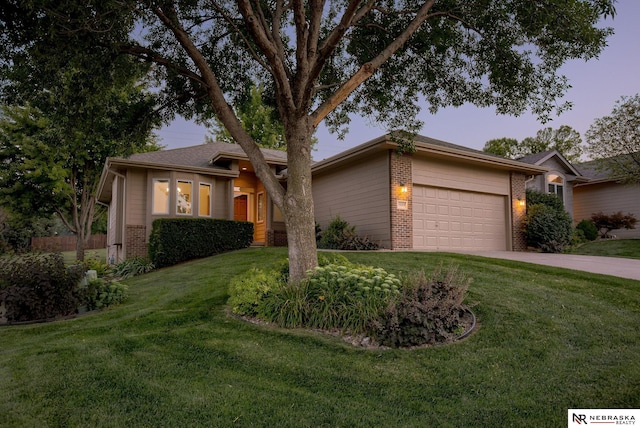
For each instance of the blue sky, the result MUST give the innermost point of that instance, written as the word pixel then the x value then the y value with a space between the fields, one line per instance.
pixel 596 86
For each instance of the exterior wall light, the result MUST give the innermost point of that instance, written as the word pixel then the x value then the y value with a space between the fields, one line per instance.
pixel 521 202
pixel 403 188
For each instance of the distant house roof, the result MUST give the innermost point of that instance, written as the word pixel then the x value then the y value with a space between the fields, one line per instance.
pixel 542 157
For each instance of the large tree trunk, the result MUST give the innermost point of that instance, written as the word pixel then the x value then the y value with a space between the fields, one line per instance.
pixel 298 202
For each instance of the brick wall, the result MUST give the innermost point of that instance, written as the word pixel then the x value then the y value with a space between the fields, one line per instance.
pixel 518 212
pixel 401 220
pixel 136 241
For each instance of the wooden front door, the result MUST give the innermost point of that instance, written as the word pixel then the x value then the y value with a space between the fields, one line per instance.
pixel 240 208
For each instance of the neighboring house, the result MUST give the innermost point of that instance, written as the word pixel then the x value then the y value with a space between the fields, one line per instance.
pixel 212 180
pixel 560 178
pixel 606 194
pixel 584 188
pixel 442 197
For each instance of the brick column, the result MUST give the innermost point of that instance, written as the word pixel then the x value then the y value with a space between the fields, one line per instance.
pixel 136 241
pixel 518 212
pixel 401 206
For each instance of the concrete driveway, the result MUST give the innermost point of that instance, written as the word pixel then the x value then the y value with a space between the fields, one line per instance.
pixel 624 268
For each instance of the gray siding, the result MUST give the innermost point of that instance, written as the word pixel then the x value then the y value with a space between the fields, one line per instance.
pixel 359 193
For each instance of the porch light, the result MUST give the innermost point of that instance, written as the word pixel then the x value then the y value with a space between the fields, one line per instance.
pixel 521 202
pixel 403 188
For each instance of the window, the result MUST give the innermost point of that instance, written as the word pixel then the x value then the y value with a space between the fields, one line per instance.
pixel 185 197
pixel 555 185
pixel 204 209
pixel 160 196
pixel 260 207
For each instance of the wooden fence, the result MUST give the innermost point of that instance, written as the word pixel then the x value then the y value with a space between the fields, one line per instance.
pixel 66 243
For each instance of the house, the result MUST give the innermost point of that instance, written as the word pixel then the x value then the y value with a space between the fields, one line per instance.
pixel 584 188
pixel 560 178
pixel 441 197
pixel 209 180
pixel 606 194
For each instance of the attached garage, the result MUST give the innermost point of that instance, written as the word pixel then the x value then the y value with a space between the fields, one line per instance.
pixel 441 197
pixel 446 219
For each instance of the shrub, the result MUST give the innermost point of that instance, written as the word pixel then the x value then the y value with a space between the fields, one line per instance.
pixel 605 223
pixel 249 291
pixel 332 296
pixel 548 228
pixel 536 198
pixel 132 267
pixel 95 263
pixel 36 287
pixel 428 310
pixel 174 241
pixel 588 229
pixel 100 293
pixel 342 236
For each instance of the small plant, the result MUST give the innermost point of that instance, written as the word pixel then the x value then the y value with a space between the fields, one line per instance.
pixel 132 267
pixel 428 311
pixel 605 223
pixel 342 236
pixel 96 263
pixel 548 228
pixel 588 229
pixel 100 293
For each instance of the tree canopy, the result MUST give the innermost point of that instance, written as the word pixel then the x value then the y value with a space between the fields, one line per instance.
pixel 259 119
pixel 565 140
pixel 56 131
pixel 614 140
pixel 326 60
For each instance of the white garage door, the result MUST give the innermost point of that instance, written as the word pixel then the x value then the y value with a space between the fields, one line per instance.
pixel 445 219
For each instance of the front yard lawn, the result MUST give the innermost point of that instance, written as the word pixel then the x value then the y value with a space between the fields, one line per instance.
pixel 550 339
pixel 628 248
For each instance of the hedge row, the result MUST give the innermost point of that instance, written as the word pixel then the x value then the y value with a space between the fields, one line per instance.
pixel 173 241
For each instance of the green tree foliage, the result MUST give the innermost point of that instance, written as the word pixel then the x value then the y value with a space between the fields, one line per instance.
pixel 259 119
pixel 52 151
pixel 565 140
pixel 505 147
pixel 614 140
pixel 326 60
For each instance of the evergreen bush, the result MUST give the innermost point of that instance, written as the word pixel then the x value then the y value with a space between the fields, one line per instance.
pixel 173 241
pixel 588 229
pixel 340 235
pixel 548 228
pixel 36 287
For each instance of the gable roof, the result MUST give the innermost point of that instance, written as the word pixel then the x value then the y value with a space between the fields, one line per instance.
pixel 542 157
pixel 432 146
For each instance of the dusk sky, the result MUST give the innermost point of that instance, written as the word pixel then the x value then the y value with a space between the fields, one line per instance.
pixel 596 86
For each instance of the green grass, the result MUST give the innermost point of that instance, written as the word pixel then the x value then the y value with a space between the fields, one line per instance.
pixel 550 339
pixel 70 256
pixel 628 248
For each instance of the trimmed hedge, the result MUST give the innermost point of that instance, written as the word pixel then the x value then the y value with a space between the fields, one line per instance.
pixel 38 287
pixel 176 240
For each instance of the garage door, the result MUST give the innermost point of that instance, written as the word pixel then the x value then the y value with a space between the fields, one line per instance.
pixel 445 219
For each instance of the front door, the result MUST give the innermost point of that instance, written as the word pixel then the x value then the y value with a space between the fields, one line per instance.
pixel 240 208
